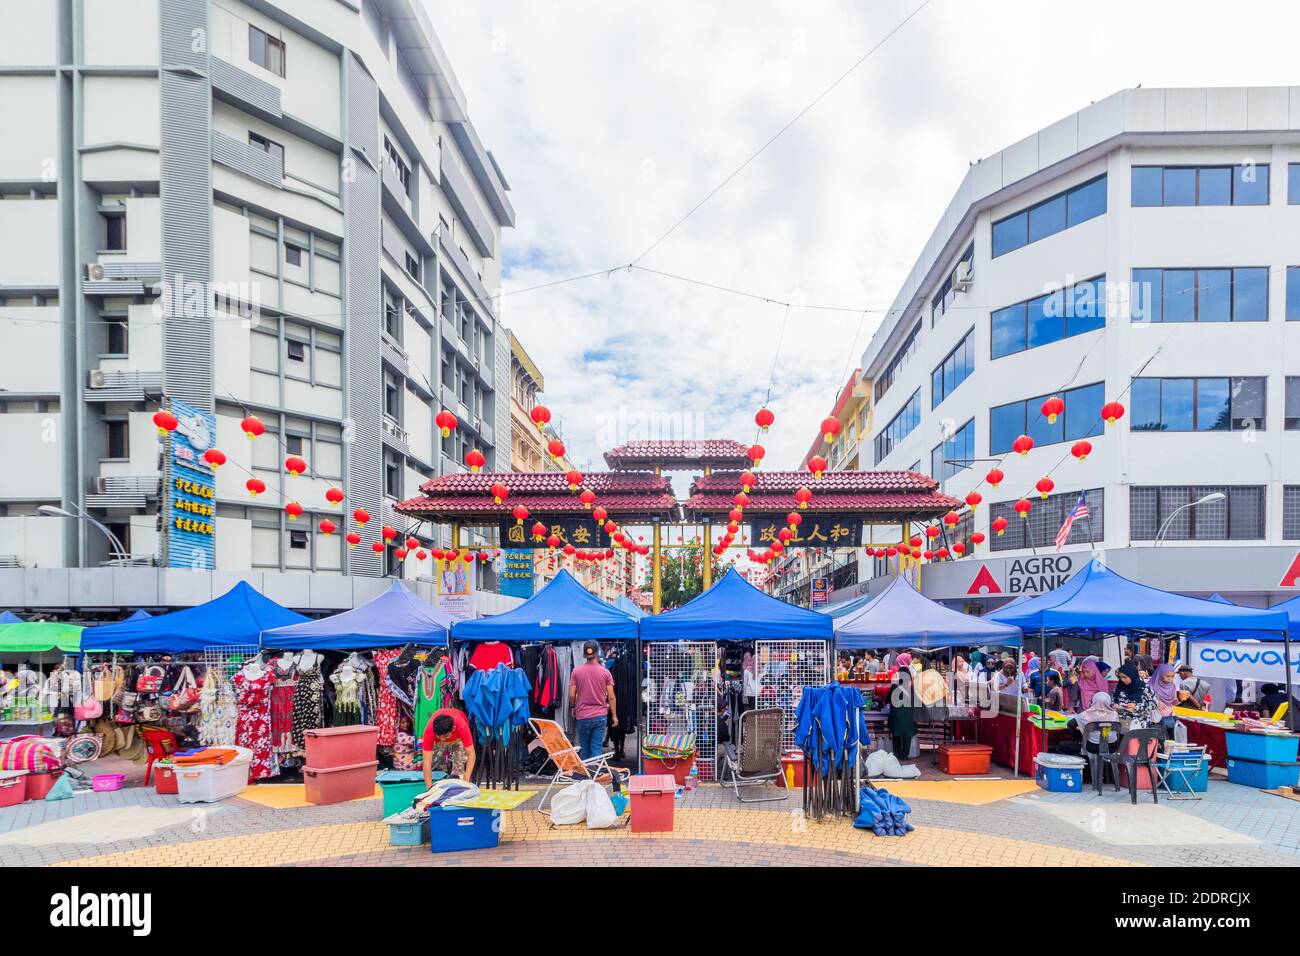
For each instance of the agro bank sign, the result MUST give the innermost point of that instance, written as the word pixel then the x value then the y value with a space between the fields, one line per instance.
pixel 1244 660
pixel 1033 575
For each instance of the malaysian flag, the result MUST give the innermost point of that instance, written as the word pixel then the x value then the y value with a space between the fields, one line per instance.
pixel 1080 511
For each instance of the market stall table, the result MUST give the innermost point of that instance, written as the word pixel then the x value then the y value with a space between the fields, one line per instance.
pixel 999 732
pixel 1212 737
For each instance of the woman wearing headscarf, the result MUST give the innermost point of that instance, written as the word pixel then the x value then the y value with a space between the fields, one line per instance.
pixel 903 660
pixel 962 675
pixel 1134 699
pixel 902 709
pixel 1091 682
pixel 1164 686
pixel 1100 711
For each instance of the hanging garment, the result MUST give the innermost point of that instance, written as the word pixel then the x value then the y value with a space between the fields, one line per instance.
pixel 489 654
pixel 430 695
pixel 308 704
pixel 386 708
pixel 218 711
pixel 348 682
pixel 400 678
pixel 253 727
pixel 546 684
pixel 282 694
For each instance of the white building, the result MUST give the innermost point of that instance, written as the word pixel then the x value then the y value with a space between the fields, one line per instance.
pixel 309 167
pixel 1184 206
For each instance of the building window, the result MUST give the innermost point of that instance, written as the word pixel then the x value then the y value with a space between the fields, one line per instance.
pixel 119 439
pixel 1293 294
pixel 1040 528
pixel 293 444
pixel 955 454
pixel 115 233
pixel 392 316
pixel 1293 184
pixel 265 50
pixel 298 540
pixel 1060 212
pixel 1239 516
pixel 413 267
pixel 905 352
pixel 1292 402
pixel 1197 404
pixel 1244 185
pixel 1048 318
pixel 297 351
pixel 269 146
pixel 1081 419
pixel 293 254
pixel 115 327
pixel 392 477
pixel 956 367
pixel 943 299
pixel 398 165
pixel 903 424
pixel 392 397
pixel 1291 512
pixel 1200 295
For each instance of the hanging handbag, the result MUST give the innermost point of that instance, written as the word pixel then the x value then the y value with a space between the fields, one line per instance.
pixel 90 708
pixel 128 700
pixel 148 713
pixel 108 680
pixel 184 697
pixel 125 716
pixel 151 681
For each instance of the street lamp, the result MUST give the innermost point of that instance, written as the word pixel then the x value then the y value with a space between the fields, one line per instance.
pixel 53 511
pixel 1212 496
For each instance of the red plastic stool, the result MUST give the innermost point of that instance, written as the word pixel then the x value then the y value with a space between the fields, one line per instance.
pixel 157 744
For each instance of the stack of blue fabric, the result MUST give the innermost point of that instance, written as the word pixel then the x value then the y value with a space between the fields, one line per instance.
pixel 882 813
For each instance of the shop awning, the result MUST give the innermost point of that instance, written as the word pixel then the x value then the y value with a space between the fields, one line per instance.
pixel 733 609
pixel 900 616
pixel 395 617
pixel 1099 599
pixel 562 611
pixel 238 617
pixel 39 637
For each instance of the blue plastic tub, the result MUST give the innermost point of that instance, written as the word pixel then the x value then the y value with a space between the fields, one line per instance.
pixel 409 833
pixel 1059 773
pixel 1270 748
pixel 1262 774
pixel 463 828
pixel 1187 782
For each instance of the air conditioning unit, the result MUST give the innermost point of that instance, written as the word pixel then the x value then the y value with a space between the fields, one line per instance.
pixel 95 379
pixel 962 277
pixel 94 271
pixel 101 486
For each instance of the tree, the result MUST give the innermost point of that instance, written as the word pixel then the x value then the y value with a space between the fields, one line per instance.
pixel 683 577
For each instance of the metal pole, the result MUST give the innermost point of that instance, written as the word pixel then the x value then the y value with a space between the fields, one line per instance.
pixel 1020 663
pixel 656 570
pixel 1286 651
pixel 706 553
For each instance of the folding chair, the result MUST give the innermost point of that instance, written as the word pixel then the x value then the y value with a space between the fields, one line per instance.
pixel 568 763
pixel 758 760
pixel 1182 765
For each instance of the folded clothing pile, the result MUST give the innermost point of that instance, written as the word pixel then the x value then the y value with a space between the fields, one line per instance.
pixel 882 813
pixel 446 792
pixel 204 756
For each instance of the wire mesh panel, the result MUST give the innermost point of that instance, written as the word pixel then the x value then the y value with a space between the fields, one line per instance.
pixel 784 669
pixel 682 698
pixel 218 704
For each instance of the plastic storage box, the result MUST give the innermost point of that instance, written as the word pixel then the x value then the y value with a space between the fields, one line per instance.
pixel 208 783
pixel 463 828
pixel 408 832
pixel 652 802
pixel 400 788
pixel 103 782
pixel 39 784
pixel 964 759
pixel 330 748
pixel 679 768
pixel 1059 773
pixel 1270 748
pixel 339 784
pixel 13 788
pixel 1266 775
pixel 164 778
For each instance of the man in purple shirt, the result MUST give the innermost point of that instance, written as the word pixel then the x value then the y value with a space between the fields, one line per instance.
pixel 591 697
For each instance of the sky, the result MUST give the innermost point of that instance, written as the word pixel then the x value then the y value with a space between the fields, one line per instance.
pixel 612 120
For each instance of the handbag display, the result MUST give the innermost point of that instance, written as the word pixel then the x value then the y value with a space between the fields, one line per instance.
pixel 185 695
pixel 151 681
pixel 128 700
pixel 107 681
pixel 90 708
pixel 148 713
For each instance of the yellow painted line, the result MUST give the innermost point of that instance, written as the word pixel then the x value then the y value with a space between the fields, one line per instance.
pixel 970 792
pixel 287 796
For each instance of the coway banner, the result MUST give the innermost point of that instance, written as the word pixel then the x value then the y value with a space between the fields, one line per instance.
pixel 1244 660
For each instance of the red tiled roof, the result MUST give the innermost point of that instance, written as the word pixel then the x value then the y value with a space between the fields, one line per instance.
pixel 831 481
pixel 919 503
pixel 710 451
pixel 540 505
pixel 530 482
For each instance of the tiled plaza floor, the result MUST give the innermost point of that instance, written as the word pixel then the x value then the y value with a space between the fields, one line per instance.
pixel 972 823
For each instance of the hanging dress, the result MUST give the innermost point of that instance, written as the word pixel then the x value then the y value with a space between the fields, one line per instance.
pixel 282 695
pixel 253 726
pixel 308 705
pixel 386 709
pixel 348 683
pixel 430 695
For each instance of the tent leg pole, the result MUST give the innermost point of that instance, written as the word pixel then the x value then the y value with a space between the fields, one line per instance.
pixel 657 572
pixel 1015 763
pixel 1286 653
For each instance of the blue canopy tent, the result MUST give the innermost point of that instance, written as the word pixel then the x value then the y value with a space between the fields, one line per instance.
pixel 139 615
pixel 562 611
pixel 9 617
pixel 628 606
pixel 733 609
pixel 236 618
pixel 902 617
pixel 394 617
pixel 842 608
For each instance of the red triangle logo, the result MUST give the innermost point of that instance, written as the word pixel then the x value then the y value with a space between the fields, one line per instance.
pixel 984 583
pixel 1292 573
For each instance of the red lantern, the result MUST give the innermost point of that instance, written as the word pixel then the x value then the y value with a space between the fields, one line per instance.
pixel 539 531
pixel 928 555
pixel 334 495
pixel 619 537
pixel 437 553
pixel 361 516
pixel 377 547
pixel 740 500
pixel 794 519
pixel 295 465
pixel 735 514
pixel 293 509
pixel 412 543
pixel 610 527
pixel 588 497
pixel 891 552
pixel 747 481
pixel 555 448
pixel 1022 445
pixel 803 496
pixel 1112 412
pixel 951 518
pixel 941 554
pixel 932 531
pixel 540 416
pixel 255 486
pixel 994 477
pixel 467 557
pixel 1052 408
pixel 755 454
pixel 999 525
pixel 830 428
pixel 569 550
pixel 1045 486
pixel 916 541
pixel 165 421
pixel 520 514
pixel 484 557
pixel 777 547
pixel 327 526
pixel 499 492
pixel 401 553
pixel 871 552
pixel 599 514
pixel 1081 449
pixel 215 458
pixel 553 541
pixel 916 552
pixel 475 459
pixel 451 555
pixel 973 499
pixel 977 537
pixel 352 538
pixel 764 418
pixel 574 478
pixel 959 549
pixel 388 532
pixel 421 555
pixel 817 465
pixel 785 534
pixel 1023 507
pixel 446 422
pixel 252 426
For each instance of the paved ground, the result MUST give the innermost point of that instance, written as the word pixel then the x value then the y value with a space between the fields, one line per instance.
pixel 977 823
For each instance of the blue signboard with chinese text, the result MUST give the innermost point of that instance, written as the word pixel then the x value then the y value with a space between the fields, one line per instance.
pixel 189 521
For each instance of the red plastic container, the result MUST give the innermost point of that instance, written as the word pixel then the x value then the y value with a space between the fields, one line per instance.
pixel 339 784
pixel 39 784
pixel 964 759
pixel 679 768
pixel 164 778
pixel 652 802
pixel 332 748
pixel 794 760
pixel 13 789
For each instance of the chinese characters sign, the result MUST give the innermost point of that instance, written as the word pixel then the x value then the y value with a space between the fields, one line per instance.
pixel 516 573
pixel 816 531
pixel 189 491
pixel 579 532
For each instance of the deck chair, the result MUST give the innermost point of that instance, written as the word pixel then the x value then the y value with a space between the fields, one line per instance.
pixel 758 760
pixel 568 763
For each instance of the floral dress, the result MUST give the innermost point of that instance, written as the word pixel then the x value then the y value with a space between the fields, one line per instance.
pixel 308 704
pixel 386 708
pixel 253 727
